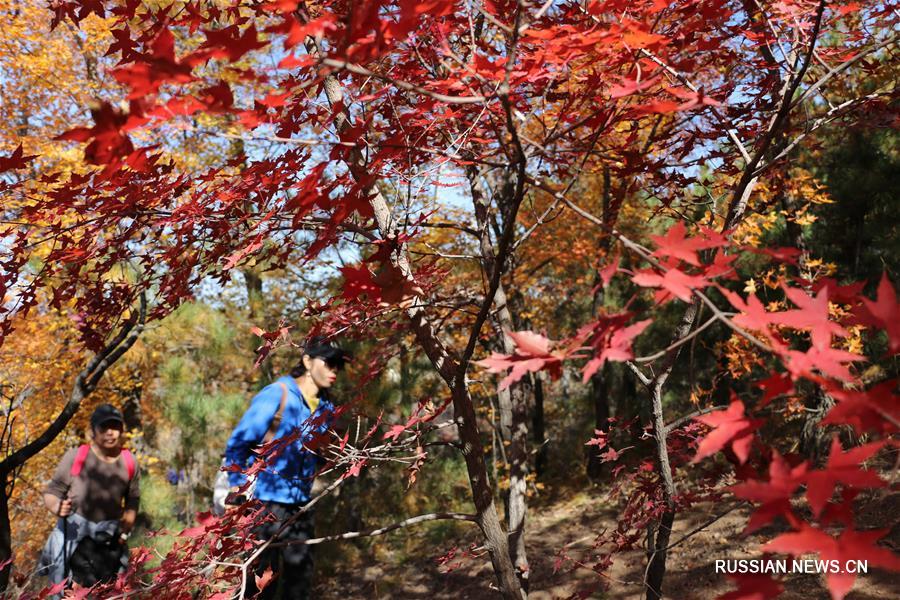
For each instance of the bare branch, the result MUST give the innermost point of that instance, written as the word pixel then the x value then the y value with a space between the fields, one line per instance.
pixel 682 420
pixel 381 530
pixel 403 85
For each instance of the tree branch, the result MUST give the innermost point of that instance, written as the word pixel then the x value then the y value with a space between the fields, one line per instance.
pixel 85 383
pixel 381 530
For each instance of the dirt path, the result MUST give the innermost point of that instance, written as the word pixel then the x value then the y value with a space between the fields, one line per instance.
pixel 570 525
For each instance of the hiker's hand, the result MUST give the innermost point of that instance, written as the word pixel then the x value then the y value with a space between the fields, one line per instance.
pixel 65 508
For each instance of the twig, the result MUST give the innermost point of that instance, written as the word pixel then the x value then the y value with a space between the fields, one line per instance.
pixel 403 85
pixel 381 530
pixel 679 422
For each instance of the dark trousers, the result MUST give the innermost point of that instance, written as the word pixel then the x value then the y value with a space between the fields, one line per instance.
pixel 291 564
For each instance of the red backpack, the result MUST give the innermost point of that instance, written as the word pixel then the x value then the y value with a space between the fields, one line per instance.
pixel 82 455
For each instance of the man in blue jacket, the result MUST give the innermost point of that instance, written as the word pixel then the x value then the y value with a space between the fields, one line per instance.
pixel 293 404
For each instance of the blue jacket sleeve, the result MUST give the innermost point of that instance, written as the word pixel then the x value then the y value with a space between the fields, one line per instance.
pixel 251 430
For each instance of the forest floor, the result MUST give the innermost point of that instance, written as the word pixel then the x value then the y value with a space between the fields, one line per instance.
pixel 569 523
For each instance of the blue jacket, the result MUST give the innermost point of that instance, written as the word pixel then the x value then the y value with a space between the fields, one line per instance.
pixel 289 478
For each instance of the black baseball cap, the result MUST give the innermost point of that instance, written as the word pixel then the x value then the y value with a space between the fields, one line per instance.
pixel 331 353
pixel 105 413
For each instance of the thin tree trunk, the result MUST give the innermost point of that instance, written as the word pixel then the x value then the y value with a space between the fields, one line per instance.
pixel 599 388
pixel 814 440
pixel 538 428
pixel 657 551
pixel 512 401
pixel 600 397
pixel 254 286
pixel 5 533
pixel 496 541
pixel 518 484
pixel 656 565
pixel 486 512
pixel 404 375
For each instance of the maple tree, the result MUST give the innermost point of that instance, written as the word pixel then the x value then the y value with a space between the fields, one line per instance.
pixel 345 133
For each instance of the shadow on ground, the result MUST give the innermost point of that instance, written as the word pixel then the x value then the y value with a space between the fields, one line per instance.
pixel 569 526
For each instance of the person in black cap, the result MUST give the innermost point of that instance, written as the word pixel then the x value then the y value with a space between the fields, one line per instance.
pixel 95 492
pixel 294 403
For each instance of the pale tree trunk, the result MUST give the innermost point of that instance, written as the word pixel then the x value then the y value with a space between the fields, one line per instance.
pixel 658 538
pixel 512 401
pixel 452 372
pixel 464 411
pixel 736 209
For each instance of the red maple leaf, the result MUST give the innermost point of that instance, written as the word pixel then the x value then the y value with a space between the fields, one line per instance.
pixel 108 141
pixel 753 314
pixel 532 354
pixel 811 315
pixel 630 86
pixel 675 245
pixel 16 160
pixel 876 409
pixel 852 545
pixel 611 340
pixel 883 314
pixel 358 282
pixel 396 288
pixel 786 255
pixel 237 257
pixel 609 271
pixel 753 587
pixel 843 294
pixel 387 285
pixel 658 107
pixel 612 455
pixel 599 439
pixel 829 361
pixel 842 467
pixel 774 495
pixel 722 267
pixel 777 384
pixel 674 281
pixel 355 469
pixel 230 43
pixel 730 426
pixel 145 76
pixel 529 342
pixel 123 44
pixel 271 340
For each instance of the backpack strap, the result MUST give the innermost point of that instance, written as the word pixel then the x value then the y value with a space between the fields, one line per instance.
pixel 130 463
pixel 85 449
pixel 80 456
pixel 276 420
